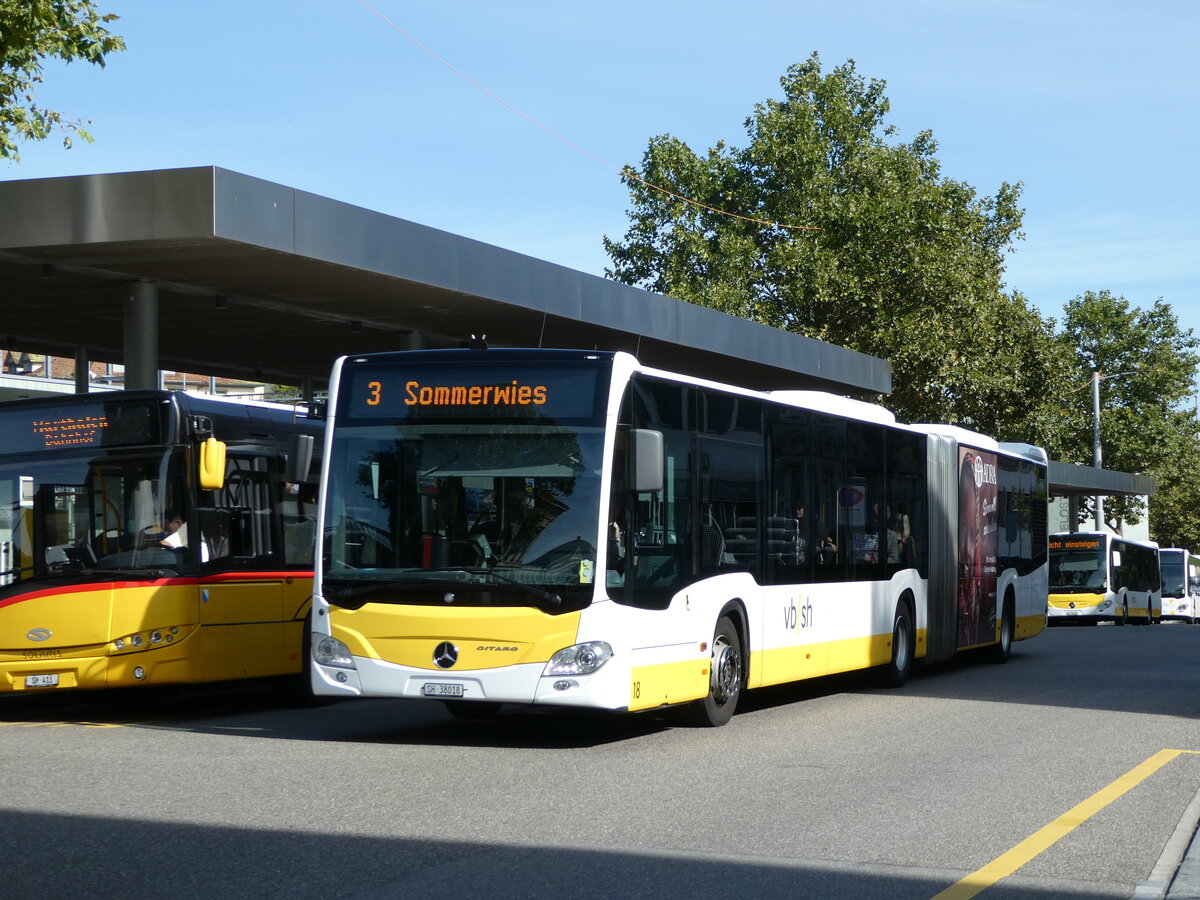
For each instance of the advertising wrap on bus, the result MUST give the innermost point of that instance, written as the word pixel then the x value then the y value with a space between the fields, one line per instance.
pixel 977 547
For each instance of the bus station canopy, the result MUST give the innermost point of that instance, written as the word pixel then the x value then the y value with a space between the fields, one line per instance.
pixel 1070 480
pixel 218 273
pixel 207 271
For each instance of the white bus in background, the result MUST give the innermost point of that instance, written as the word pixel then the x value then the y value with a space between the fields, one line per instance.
pixel 1098 577
pixel 1180 583
pixel 570 528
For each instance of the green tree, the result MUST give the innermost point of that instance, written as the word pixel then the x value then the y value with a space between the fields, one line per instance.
pixel 841 235
pixel 1147 367
pixel 1175 508
pixel 32 32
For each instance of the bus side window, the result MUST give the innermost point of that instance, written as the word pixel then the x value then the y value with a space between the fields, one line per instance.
pixel 731 504
pixel 789 526
pixel 829 485
pixel 906 510
pixel 298 512
pixel 659 543
pixel 215 526
pixel 236 523
pixel 862 500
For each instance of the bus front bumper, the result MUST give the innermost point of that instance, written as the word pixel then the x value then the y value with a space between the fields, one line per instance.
pixel 526 684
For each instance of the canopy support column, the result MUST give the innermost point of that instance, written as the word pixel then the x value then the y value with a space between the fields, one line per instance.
pixel 141 336
pixel 83 371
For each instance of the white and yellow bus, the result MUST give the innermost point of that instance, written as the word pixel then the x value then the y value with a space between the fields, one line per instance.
pixel 1180 583
pixel 151 537
pixel 1098 577
pixel 574 529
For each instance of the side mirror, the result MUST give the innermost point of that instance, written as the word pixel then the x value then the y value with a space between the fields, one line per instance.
pixel 300 458
pixel 646 456
pixel 212 464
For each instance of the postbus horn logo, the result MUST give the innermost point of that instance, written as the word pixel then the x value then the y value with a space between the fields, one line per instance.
pixel 39 634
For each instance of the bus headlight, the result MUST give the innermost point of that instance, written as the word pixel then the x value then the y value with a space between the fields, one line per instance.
pixel 329 651
pixel 581 659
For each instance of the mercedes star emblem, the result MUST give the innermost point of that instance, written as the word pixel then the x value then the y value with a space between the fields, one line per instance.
pixel 445 654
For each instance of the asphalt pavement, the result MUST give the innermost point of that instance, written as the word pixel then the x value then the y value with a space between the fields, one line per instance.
pixel 1177 874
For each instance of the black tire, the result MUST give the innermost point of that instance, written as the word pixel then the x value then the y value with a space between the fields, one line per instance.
pixel 1122 616
pixel 472 710
pixel 1003 650
pixel 1149 618
pixel 724 680
pixel 897 670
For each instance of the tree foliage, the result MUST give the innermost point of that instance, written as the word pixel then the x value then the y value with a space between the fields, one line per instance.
pixel 32 32
pixel 824 224
pixel 1175 508
pixel 1147 367
pixel 887 257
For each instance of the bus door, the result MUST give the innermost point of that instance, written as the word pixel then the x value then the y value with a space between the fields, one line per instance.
pixel 242 579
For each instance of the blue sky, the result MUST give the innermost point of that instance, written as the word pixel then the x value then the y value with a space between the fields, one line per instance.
pixel 1093 105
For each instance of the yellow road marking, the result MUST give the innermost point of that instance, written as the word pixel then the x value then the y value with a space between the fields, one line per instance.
pixel 49 724
pixel 1040 840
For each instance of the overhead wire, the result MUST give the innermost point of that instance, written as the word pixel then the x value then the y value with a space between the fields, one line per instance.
pixel 626 171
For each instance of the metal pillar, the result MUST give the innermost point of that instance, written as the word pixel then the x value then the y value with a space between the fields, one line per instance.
pixel 1096 444
pixel 141 336
pixel 83 371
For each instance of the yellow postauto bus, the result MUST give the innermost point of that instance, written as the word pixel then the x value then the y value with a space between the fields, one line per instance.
pixel 151 537
pixel 571 528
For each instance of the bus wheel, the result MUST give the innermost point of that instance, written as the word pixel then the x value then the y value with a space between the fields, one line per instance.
pixel 895 673
pixel 1122 615
pixel 724 679
pixel 1003 650
pixel 471 709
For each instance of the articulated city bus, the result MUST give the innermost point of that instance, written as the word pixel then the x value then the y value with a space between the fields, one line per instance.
pixel 1097 577
pixel 1180 583
pixel 574 529
pixel 151 537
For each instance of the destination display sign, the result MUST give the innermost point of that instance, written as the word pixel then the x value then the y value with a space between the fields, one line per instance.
pixel 70 431
pixel 76 425
pixel 1075 543
pixel 474 391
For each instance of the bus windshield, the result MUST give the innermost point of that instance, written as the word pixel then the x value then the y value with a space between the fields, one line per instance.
pixel 1174 575
pixel 501 513
pixel 86 511
pixel 1078 572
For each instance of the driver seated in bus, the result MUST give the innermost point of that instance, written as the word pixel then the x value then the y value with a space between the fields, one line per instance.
pixel 174 531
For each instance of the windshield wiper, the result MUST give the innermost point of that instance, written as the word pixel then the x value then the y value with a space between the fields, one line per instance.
pixel 346 593
pixel 450 584
pixel 132 572
pixel 548 596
